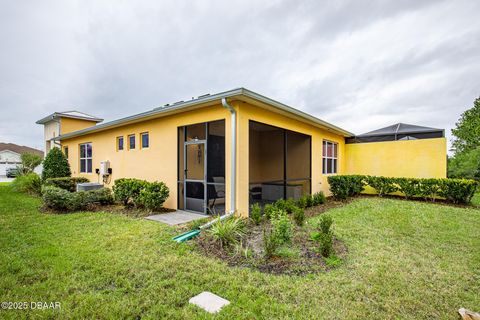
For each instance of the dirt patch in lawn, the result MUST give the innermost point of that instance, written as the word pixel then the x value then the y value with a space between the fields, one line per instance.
pixel 300 257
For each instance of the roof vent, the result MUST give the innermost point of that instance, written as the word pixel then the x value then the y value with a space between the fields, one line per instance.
pixel 203 95
pixel 178 102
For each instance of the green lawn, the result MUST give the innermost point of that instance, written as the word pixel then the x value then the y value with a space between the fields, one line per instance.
pixel 407 260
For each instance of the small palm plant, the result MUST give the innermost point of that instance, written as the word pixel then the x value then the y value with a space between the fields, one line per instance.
pixel 227 232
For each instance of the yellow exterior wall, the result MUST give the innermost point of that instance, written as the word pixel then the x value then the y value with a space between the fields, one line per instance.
pixel 425 158
pixel 70 124
pixel 247 112
pixel 159 161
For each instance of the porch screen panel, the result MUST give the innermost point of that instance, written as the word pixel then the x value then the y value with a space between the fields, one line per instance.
pixel 216 167
pixel 298 164
pixel 267 163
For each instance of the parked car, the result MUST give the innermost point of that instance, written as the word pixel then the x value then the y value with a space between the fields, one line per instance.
pixel 11 172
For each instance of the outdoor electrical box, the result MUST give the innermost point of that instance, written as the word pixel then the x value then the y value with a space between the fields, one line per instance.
pixel 105 168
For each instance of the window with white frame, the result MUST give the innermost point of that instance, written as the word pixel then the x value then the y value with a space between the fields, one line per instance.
pixel 86 158
pixel 131 142
pixel 329 159
pixel 145 140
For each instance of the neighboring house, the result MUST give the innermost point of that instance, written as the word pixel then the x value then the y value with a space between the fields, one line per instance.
pixel 10 156
pixel 225 151
pixel 61 122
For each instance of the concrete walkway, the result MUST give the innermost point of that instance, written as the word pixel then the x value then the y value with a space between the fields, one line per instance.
pixel 177 217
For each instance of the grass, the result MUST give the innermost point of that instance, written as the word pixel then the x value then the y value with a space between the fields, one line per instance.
pixel 406 260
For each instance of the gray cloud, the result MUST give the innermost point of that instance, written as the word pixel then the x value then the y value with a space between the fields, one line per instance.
pixel 359 66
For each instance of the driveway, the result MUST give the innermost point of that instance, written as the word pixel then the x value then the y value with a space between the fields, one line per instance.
pixel 5 179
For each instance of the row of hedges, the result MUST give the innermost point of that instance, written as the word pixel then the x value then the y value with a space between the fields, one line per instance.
pixel 141 193
pixel 452 190
pixel 63 200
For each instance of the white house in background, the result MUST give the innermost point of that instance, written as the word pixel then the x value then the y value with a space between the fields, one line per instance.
pixel 10 156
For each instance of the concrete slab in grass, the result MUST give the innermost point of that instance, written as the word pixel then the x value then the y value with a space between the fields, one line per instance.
pixel 209 302
pixel 177 217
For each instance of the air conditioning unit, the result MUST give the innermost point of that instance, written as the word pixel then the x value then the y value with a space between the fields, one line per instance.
pixel 88 186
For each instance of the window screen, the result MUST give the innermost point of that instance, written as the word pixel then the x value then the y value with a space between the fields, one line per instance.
pixel 330 157
pixel 86 158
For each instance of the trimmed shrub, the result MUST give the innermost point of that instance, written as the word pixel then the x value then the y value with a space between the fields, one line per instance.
pixel 343 187
pixel 30 183
pixel 66 183
pixel 318 198
pixel 453 190
pixel 101 196
pixel 269 243
pixel 324 236
pixel 152 196
pixel 458 190
pixel 304 201
pixel 268 210
pixel 409 187
pixel 282 227
pixel 55 165
pixel 127 190
pixel 299 216
pixel 61 199
pixel 256 213
pixel 227 232
pixel 383 185
pixel 285 205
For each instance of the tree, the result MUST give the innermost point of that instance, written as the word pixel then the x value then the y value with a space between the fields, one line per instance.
pixel 467 131
pixel 29 162
pixel 464 164
pixel 55 165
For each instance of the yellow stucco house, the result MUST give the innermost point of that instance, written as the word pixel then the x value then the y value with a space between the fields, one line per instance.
pixel 222 152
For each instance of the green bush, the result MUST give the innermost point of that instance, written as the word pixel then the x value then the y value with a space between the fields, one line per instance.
pixel 324 236
pixel 458 190
pixel 325 224
pixel 429 189
pixel 256 213
pixel 61 199
pixel 285 205
pixel 269 243
pixel 55 165
pixel 453 190
pixel 152 196
pixel 227 232
pixel 408 186
pixel 282 227
pixel 383 185
pixel 101 196
pixel 268 210
pixel 304 201
pixel 30 183
pixel 318 198
pixel 299 216
pixel 346 186
pixel 66 183
pixel 127 190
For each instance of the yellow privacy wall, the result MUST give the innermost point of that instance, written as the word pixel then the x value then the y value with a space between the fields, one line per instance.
pixel 423 158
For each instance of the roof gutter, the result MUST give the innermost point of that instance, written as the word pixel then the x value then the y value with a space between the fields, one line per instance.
pixel 233 155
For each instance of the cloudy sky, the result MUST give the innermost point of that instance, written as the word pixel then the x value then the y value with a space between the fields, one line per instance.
pixel 358 64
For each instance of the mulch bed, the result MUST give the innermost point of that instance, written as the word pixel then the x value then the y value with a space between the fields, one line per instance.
pixel 305 260
pixel 115 209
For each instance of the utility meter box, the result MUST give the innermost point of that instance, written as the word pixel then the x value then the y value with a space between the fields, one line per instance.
pixel 104 166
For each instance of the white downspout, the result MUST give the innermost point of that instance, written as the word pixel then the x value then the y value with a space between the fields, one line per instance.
pixel 233 155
